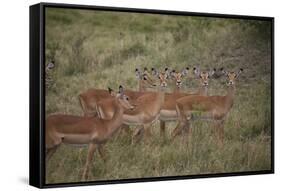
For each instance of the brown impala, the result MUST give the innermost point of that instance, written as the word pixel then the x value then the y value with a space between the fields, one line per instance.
pixel 168 111
pixel 146 111
pixel 208 107
pixel 89 98
pixel 91 131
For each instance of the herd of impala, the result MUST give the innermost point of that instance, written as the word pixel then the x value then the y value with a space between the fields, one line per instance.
pixel 106 111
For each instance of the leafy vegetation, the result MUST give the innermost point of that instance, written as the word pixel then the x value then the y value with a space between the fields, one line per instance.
pixel 100 49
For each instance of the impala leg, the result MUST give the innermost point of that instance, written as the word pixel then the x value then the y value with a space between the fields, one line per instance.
pixel 101 151
pixel 147 132
pixel 219 131
pixel 162 129
pixel 50 152
pixel 183 125
pixel 138 134
pixel 126 129
pixel 182 121
pixel 53 143
pixel 92 148
pixel 177 130
pixel 186 131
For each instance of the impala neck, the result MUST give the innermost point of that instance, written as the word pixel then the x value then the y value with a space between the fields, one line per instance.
pixel 161 95
pixel 177 89
pixel 141 86
pixel 203 90
pixel 117 118
pixel 230 96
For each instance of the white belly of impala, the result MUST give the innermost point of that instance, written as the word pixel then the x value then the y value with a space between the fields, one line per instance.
pixel 168 115
pixel 77 139
pixel 140 119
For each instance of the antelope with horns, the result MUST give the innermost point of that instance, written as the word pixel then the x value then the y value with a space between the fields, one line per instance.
pixel 214 108
pixel 91 131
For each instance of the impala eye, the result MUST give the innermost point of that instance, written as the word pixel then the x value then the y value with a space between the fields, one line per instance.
pixel 127 98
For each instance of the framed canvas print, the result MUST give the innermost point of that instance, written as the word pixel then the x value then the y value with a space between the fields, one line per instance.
pixel 127 95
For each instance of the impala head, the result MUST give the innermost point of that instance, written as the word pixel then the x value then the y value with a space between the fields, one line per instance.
pixel 162 79
pixel 154 71
pixel 232 76
pixel 167 72
pixel 218 72
pixel 123 99
pixel 50 65
pixel 177 76
pixel 205 76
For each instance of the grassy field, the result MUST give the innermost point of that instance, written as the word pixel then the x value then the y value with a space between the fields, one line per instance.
pixel 101 49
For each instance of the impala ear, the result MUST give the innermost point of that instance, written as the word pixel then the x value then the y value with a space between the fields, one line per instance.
pixel 51 64
pixel 211 72
pixel 111 91
pixel 224 72
pixel 167 72
pixel 144 77
pixel 172 73
pixel 196 71
pixel 121 90
pixel 185 71
pixel 138 73
pixel 238 73
pixel 154 72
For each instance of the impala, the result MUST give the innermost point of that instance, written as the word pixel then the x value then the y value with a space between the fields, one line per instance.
pixel 48 73
pixel 146 111
pixel 91 131
pixel 155 73
pixel 177 77
pixel 214 108
pixel 218 73
pixel 144 80
pixel 89 99
pixel 196 72
pixel 168 111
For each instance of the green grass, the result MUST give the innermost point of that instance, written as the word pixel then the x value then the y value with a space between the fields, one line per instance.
pixel 101 49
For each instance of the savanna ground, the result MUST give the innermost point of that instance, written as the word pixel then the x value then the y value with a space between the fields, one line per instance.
pixel 102 49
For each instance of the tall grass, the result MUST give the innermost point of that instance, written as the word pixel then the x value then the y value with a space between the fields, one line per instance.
pixel 95 49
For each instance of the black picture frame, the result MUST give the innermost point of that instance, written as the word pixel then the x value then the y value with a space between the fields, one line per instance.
pixel 37 94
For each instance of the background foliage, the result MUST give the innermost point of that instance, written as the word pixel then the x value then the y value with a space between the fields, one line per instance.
pixel 100 49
